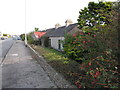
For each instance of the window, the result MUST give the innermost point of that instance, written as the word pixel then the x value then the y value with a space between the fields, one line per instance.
pixel 59 44
pixel 49 43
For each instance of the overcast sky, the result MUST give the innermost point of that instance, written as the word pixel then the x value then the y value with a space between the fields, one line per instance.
pixel 42 14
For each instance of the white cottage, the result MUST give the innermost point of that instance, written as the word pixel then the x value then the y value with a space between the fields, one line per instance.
pixel 54 36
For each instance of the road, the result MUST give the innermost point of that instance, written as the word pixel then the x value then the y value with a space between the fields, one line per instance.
pixel 5 45
pixel 21 70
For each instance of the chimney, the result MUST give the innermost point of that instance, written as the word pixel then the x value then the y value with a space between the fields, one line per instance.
pixel 68 22
pixel 57 25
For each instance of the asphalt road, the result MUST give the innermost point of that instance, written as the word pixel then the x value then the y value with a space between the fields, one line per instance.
pixel 5 45
pixel 21 70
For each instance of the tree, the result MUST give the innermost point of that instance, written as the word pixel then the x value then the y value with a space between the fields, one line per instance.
pixel 36 29
pixel 22 36
pixel 4 34
pixel 103 18
pixel 94 15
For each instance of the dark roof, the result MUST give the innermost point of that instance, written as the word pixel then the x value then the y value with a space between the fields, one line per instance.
pixel 61 31
pixel 49 32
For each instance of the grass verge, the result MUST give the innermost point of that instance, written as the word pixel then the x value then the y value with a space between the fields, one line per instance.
pixel 60 63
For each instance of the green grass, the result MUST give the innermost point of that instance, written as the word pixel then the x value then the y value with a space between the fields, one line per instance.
pixel 60 63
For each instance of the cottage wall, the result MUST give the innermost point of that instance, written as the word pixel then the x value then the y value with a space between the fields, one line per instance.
pixel 55 42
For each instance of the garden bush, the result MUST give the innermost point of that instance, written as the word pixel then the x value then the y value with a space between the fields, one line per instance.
pixel 98 73
pixel 96 47
pixel 83 46
pixel 94 51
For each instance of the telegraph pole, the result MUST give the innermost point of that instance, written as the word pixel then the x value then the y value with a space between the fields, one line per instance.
pixel 25 23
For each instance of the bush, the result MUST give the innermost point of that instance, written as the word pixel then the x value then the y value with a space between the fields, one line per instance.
pixel 98 73
pixel 30 39
pixel 96 48
pixel 22 36
pixel 83 46
pixel 96 54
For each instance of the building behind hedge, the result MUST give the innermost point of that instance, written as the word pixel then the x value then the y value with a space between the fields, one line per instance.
pixel 54 36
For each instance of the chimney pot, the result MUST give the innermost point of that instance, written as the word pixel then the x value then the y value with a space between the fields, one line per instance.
pixel 68 22
pixel 57 25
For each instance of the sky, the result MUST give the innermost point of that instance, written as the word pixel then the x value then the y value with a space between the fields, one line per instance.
pixel 16 16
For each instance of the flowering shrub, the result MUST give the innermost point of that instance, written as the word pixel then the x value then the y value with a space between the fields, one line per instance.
pixel 82 46
pixel 96 48
pixel 99 73
pixel 98 62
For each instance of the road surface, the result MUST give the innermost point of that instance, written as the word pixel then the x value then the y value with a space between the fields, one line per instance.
pixel 20 70
pixel 5 45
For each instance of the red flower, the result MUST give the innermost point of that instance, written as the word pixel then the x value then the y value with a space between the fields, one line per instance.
pixel 89 63
pixel 91 73
pixel 79 86
pixel 97 74
pixel 94 35
pixel 88 40
pixel 87 66
pixel 88 33
pixel 74 42
pixel 84 42
pixel 76 39
pixel 81 67
pixel 81 33
pixel 74 35
pixel 83 64
pixel 93 82
pixel 76 83
pixel 84 47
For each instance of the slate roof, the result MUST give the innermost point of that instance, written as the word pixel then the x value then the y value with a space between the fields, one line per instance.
pixel 61 31
pixel 49 32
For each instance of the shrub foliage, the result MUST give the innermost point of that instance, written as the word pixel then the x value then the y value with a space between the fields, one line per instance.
pixel 96 47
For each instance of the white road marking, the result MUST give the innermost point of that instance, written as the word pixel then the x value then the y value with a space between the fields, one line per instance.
pixel 14 54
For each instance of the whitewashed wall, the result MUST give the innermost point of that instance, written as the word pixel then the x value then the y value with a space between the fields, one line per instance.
pixel 55 43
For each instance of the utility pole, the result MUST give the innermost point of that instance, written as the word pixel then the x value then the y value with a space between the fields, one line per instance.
pixel 25 23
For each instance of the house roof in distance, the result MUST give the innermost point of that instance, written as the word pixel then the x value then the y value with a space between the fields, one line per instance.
pixel 39 34
pixel 48 32
pixel 61 31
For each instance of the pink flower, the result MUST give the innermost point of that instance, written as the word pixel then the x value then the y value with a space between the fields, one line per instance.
pixel 87 66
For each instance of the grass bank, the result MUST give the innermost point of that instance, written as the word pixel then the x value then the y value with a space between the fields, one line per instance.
pixel 60 63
